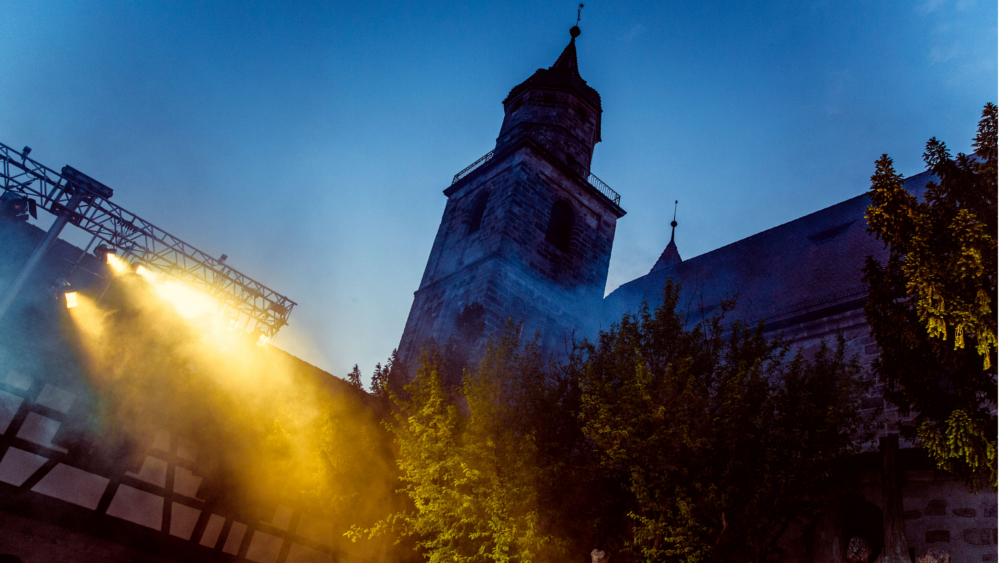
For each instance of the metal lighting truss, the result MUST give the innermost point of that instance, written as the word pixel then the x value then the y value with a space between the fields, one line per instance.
pixel 133 235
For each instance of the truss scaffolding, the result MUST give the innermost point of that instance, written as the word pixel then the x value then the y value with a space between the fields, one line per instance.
pixel 130 235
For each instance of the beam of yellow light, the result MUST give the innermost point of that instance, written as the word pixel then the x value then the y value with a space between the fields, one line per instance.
pixel 88 318
pixel 146 274
pixel 260 403
pixel 117 264
pixel 71 300
pixel 189 302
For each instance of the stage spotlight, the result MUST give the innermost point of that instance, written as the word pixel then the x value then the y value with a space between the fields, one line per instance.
pixel 17 207
pixel 71 300
pixel 60 287
pixel 102 251
pixel 117 264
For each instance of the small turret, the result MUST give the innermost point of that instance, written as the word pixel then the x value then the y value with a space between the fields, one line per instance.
pixel 557 105
pixel 670 256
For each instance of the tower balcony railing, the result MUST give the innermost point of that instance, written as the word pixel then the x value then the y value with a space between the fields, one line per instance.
pixel 605 189
pixel 543 139
pixel 468 169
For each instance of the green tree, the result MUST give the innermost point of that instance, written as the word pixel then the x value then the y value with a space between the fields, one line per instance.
pixel 470 462
pixel 723 439
pixel 354 378
pixel 383 378
pixel 931 304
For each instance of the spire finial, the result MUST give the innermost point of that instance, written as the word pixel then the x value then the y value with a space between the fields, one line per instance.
pixel 574 31
pixel 673 224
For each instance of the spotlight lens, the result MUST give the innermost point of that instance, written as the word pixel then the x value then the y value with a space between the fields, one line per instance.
pixel 71 300
pixel 117 264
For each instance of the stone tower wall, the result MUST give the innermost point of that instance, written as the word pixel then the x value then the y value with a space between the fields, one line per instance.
pixel 455 247
pixel 508 265
pixel 570 123
pixel 583 268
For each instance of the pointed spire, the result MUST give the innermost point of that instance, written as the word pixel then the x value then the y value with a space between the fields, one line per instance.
pixel 670 256
pixel 563 75
pixel 567 60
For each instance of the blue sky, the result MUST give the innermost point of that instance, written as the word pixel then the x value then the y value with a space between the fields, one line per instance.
pixel 311 141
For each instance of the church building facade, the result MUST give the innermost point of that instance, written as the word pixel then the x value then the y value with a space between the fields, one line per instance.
pixel 527 233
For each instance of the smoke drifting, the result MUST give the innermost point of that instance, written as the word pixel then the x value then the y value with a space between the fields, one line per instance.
pixel 269 427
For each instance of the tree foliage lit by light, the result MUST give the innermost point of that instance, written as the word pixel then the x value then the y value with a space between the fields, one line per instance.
pixel 473 472
pixel 656 443
pixel 932 305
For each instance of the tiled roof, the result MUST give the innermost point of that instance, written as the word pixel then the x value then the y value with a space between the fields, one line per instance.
pixel 803 265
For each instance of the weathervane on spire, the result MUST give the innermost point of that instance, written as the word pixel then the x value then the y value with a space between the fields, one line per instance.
pixel 673 224
pixel 574 31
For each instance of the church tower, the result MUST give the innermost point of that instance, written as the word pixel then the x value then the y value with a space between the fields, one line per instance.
pixel 527 230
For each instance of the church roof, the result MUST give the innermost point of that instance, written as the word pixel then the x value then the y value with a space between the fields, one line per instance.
pixel 808 264
pixel 563 75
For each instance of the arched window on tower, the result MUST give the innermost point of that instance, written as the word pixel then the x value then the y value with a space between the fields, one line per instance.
pixel 560 225
pixel 478 209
